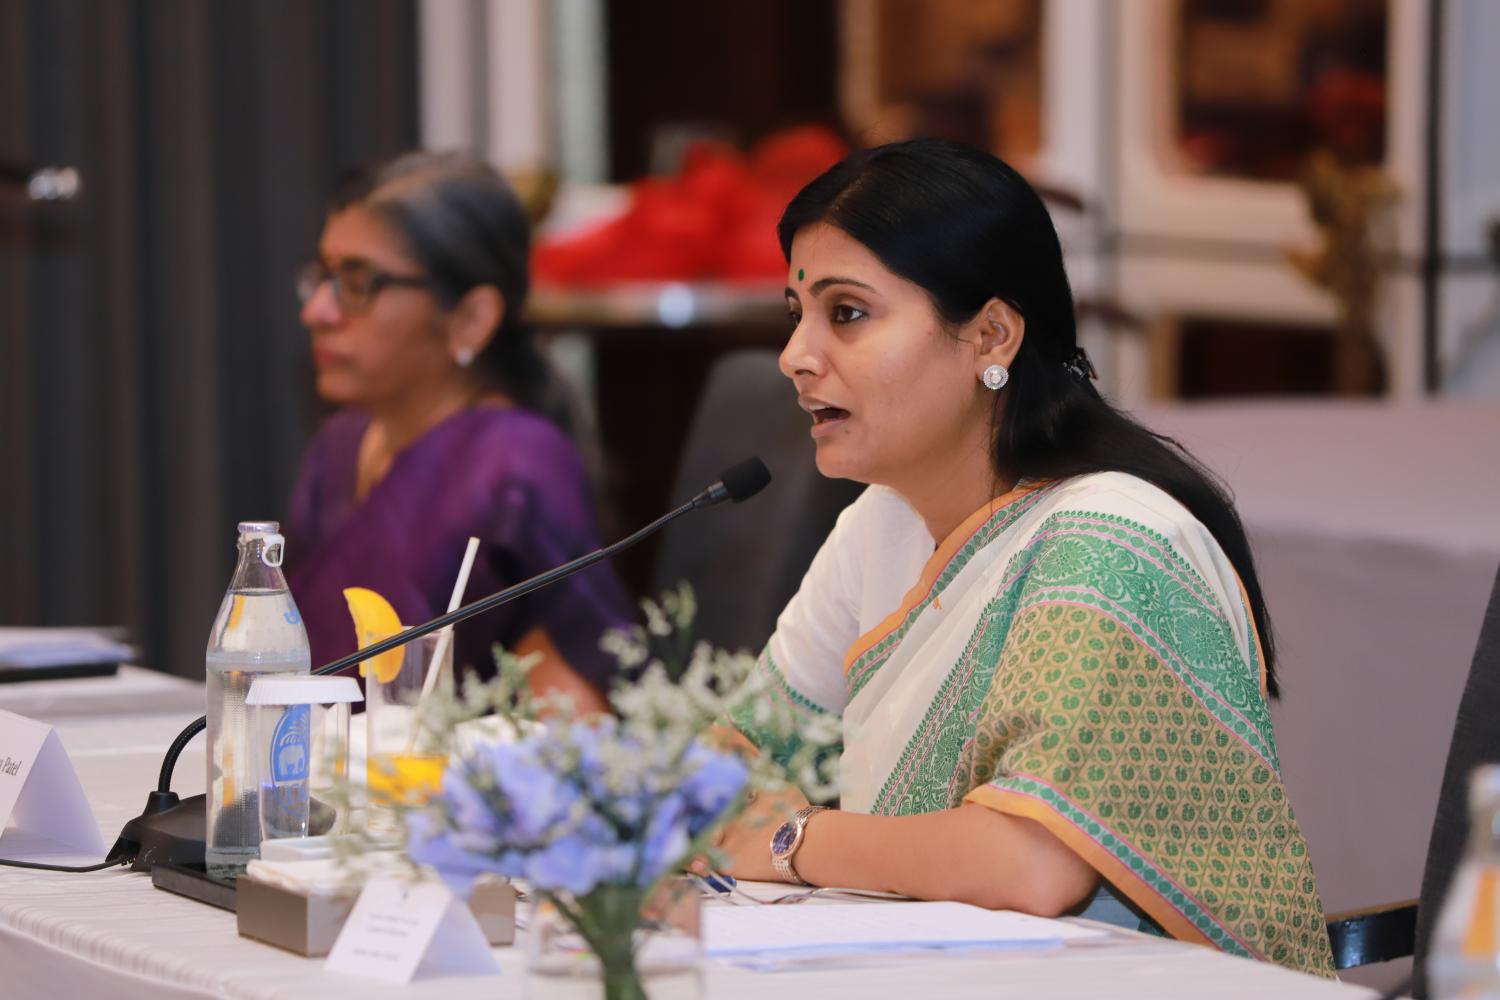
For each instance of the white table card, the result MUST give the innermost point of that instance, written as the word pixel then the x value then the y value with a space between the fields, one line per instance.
pixel 399 929
pixel 44 815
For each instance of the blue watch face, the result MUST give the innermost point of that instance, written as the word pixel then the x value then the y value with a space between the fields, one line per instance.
pixel 782 841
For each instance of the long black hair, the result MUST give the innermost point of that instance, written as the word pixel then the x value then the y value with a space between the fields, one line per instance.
pixel 967 228
pixel 463 224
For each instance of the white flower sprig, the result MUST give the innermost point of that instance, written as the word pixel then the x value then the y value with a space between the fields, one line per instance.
pixel 670 750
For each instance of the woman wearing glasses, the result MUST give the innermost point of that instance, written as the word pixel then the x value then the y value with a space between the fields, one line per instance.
pixel 414 308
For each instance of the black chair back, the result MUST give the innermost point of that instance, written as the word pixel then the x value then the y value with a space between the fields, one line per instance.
pixel 1476 740
pixel 745 562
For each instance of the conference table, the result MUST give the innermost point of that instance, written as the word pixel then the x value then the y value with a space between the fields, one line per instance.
pixel 112 934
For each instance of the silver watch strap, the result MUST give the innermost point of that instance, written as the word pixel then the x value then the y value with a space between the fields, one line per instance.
pixel 783 863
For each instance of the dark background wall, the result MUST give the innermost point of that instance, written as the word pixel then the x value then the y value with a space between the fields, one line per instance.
pixel 154 384
pixel 751 65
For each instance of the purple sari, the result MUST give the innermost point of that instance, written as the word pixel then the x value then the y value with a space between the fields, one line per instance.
pixel 507 476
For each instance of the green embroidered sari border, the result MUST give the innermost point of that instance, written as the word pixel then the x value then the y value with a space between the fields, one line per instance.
pixel 767 665
pixel 864 668
pixel 1127 855
pixel 1246 729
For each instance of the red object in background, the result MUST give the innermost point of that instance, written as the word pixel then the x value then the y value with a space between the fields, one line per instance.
pixel 1348 107
pixel 716 220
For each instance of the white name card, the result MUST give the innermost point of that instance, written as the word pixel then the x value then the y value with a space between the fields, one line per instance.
pixel 44 815
pixel 400 929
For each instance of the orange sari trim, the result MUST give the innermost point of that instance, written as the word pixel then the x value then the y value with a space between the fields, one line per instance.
pixel 941 557
pixel 1167 917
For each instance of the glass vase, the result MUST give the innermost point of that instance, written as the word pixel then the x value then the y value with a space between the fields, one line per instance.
pixel 616 943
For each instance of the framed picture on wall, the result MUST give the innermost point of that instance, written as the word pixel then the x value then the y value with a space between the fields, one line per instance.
pixel 1221 104
pixel 1262 84
pixel 1221 109
pixel 969 70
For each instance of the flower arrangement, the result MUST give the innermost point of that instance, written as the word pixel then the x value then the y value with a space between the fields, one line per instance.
pixel 595 813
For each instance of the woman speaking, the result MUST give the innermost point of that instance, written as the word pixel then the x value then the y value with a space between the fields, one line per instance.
pixel 1041 626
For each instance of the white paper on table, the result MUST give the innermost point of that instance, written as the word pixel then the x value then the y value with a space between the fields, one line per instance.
pixel 850 927
pixel 40 792
pixel 46 647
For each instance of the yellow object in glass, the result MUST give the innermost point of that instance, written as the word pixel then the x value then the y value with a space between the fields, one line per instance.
pixel 405 779
pixel 374 620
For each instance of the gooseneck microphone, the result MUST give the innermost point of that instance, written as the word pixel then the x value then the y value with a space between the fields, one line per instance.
pixel 739 482
pixel 172 830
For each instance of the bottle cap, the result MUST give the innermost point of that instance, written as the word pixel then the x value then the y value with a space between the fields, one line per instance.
pixel 302 689
pixel 268 532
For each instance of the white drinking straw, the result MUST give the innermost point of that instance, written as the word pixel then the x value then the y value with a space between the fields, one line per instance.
pixel 445 637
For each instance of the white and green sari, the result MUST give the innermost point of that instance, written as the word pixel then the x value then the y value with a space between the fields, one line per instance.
pixel 1078 653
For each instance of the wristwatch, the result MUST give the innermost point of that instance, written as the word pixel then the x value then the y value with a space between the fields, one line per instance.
pixel 786 841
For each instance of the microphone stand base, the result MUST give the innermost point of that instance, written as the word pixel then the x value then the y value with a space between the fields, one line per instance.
pixel 168 830
pixel 175 831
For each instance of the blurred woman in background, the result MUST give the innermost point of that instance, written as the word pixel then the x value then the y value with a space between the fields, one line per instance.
pixel 414 305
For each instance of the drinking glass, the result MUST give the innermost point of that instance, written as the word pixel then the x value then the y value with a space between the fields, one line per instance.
pixel 300 725
pixel 405 758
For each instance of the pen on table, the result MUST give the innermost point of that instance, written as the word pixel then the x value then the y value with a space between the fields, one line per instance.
pixel 718 882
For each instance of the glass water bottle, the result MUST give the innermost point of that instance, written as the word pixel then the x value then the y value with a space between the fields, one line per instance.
pixel 258 631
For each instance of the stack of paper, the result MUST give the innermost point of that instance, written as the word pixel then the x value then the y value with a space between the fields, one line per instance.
pixel 861 928
pixel 49 647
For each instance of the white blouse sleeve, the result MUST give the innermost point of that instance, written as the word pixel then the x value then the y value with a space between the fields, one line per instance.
pixel 871 558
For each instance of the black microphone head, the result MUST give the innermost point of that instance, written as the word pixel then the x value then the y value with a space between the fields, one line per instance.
pixel 745 479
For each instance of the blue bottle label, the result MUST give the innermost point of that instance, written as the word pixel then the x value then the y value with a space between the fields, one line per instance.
pixel 290 746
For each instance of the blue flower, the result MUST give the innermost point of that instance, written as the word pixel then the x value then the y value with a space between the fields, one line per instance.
pixel 593 740
pixel 475 827
pixel 588 738
pixel 666 841
pixel 574 864
pixel 427 844
pixel 574 807
pixel 539 799
pixel 715 783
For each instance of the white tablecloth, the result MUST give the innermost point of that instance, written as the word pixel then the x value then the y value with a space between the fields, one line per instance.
pixel 131 691
pixel 111 934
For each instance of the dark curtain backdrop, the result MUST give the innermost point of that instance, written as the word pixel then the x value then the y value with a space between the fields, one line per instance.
pixel 154 383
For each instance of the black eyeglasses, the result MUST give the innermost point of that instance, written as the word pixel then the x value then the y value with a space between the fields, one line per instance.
pixel 355 283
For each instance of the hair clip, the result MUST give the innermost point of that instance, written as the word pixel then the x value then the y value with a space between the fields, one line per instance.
pixel 1080 367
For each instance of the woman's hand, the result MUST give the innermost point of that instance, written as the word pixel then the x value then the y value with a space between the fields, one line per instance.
pixel 746 842
pixel 969 854
pixel 552 674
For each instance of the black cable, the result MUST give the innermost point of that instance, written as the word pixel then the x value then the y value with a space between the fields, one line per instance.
pixel 169 762
pixel 63 868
